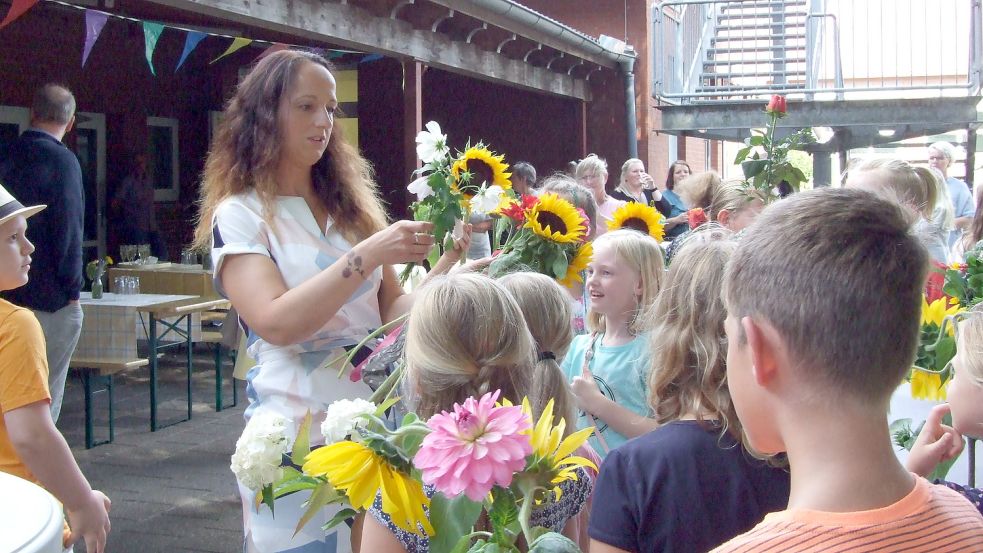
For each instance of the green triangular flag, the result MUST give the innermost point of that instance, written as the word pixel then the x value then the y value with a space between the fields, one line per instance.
pixel 151 32
pixel 237 44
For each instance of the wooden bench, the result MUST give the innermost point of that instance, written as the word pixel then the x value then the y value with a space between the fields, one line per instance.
pixel 99 372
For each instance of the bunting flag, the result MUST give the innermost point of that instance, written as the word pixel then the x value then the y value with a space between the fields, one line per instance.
pixel 151 33
pixel 17 9
pixel 190 43
pixel 94 22
pixel 371 58
pixel 275 47
pixel 237 44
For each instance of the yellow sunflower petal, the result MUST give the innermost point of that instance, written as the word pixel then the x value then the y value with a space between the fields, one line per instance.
pixel 640 217
pixel 540 435
pixel 577 265
pixel 555 219
pixel 573 441
pixel 927 385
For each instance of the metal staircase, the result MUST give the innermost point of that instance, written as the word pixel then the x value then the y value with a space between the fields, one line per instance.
pixel 755 44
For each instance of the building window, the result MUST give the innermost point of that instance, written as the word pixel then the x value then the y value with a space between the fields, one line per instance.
pixel 162 158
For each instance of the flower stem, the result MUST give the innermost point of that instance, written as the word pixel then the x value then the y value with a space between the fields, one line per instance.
pixel 525 512
pixel 385 390
pixel 372 335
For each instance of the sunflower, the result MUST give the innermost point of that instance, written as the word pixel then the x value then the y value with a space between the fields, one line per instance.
pixel 938 310
pixel 555 219
pixel 361 473
pixel 927 385
pixel 577 265
pixel 638 217
pixel 478 166
pixel 552 453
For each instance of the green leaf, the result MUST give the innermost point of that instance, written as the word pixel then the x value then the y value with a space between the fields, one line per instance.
pixel 267 495
pixel 385 405
pixel 552 542
pixel 559 266
pixel 756 140
pixel 339 518
pixel 451 518
pixel 302 445
pixel 408 419
pixel 753 167
pixel 305 483
pixel 321 496
pixel 463 545
pixel 944 352
pixel 503 513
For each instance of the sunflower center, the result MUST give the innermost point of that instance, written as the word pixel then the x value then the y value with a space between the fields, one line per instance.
pixel 635 223
pixel 481 172
pixel 553 221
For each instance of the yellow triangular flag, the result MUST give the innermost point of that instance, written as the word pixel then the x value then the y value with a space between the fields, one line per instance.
pixel 237 44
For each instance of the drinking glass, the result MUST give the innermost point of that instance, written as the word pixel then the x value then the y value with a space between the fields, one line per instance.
pixel 143 250
pixel 189 258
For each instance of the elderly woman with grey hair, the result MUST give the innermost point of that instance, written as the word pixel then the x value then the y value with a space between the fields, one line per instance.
pixel 940 156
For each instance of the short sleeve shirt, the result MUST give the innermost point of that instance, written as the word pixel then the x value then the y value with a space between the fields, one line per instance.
pixel 682 487
pixel 292 380
pixel 621 373
pixel 962 203
pixel 605 213
pixel 23 375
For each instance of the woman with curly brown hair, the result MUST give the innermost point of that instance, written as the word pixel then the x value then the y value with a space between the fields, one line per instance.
pixel 301 247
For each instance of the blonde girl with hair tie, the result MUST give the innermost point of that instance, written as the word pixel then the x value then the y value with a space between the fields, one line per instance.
pixel 608 368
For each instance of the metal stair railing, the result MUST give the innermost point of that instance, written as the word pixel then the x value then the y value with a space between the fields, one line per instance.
pixel 718 50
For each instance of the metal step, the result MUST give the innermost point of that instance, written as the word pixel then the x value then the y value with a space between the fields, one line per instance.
pixel 758 61
pixel 772 3
pixel 777 87
pixel 754 74
pixel 758 15
pixel 736 50
pixel 758 38
pixel 756 26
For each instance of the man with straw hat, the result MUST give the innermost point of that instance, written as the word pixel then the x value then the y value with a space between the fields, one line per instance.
pixel 30 445
pixel 39 169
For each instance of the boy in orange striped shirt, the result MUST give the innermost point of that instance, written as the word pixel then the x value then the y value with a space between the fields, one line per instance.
pixel 823 297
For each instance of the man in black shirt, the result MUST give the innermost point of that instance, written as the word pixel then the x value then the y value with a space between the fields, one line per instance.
pixel 39 169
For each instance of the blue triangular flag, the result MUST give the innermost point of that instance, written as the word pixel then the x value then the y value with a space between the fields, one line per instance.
pixel 190 43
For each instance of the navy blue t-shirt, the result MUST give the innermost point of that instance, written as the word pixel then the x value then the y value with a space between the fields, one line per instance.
pixel 682 488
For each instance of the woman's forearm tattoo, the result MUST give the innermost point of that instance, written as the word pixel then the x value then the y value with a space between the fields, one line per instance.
pixel 354 265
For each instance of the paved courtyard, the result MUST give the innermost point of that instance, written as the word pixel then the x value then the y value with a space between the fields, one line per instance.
pixel 171 489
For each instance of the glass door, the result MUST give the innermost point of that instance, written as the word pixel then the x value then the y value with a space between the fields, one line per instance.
pixel 88 141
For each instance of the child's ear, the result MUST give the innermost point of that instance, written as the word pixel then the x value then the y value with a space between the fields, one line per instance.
pixel 765 345
pixel 723 217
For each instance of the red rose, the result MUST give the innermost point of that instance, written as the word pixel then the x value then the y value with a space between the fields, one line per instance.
pixel 777 105
pixel 696 217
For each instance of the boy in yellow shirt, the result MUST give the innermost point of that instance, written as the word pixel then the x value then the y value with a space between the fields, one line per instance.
pixel 823 298
pixel 30 445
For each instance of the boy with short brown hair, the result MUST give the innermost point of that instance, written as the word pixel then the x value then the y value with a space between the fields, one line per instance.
pixel 30 445
pixel 824 299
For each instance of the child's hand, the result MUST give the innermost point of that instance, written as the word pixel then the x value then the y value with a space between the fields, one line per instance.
pixel 90 522
pixel 936 443
pixel 585 390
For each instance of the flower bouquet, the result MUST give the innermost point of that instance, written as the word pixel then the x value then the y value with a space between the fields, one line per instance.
pixel 451 189
pixel 95 270
pixel 643 218
pixel 765 172
pixel 550 239
pixel 433 480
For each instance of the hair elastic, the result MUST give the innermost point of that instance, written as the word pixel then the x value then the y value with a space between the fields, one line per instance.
pixel 543 355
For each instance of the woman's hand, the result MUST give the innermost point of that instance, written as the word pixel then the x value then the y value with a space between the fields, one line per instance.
pixel 400 242
pixel 936 443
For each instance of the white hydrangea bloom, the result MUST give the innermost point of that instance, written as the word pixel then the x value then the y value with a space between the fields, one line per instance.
pixel 431 144
pixel 342 418
pixel 259 451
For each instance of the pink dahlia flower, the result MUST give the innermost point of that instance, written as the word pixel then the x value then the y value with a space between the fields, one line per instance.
pixel 475 448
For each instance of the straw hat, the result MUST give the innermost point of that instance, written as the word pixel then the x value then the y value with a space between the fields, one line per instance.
pixel 10 207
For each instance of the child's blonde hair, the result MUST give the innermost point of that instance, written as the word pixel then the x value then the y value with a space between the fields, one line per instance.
pixel 466 336
pixel 970 345
pixel 708 191
pixel 546 308
pixel 643 255
pixel 915 187
pixel 687 341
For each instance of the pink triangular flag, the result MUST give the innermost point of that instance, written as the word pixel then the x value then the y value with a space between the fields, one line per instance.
pixel 17 9
pixel 94 22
